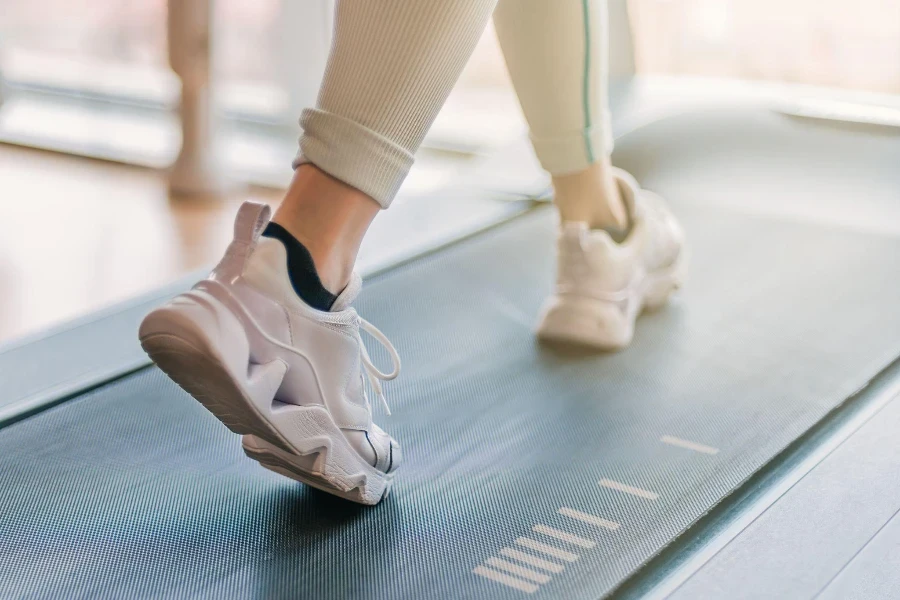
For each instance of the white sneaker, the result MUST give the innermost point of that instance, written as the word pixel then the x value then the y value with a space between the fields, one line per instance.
pixel 267 365
pixel 602 286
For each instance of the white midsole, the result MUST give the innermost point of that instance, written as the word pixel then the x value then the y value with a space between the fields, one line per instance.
pixel 608 322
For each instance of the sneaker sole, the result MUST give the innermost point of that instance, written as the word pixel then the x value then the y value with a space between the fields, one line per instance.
pixel 606 325
pixel 201 346
pixel 298 468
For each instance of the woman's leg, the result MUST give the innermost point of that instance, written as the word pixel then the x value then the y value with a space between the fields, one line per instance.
pixel 619 248
pixel 556 52
pixel 392 66
pixel 273 320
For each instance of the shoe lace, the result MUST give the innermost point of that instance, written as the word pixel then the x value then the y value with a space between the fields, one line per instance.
pixel 375 375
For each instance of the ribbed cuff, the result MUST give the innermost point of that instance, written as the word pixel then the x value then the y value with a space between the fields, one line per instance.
pixel 353 154
pixel 570 153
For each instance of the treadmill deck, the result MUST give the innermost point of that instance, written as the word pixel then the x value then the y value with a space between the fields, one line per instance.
pixel 133 490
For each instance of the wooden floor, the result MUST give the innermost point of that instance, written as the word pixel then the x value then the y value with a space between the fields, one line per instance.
pixel 76 235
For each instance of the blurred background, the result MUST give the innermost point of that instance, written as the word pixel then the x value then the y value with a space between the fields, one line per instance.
pixel 89 125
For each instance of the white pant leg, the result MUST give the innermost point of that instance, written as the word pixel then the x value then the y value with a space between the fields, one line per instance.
pixel 392 66
pixel 557 55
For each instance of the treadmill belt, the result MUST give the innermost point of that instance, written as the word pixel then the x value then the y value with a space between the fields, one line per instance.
pixel 134 491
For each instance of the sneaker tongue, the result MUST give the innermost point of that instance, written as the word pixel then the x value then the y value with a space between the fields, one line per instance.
pixel 349 294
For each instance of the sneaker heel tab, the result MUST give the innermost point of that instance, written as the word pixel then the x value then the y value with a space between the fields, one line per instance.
pixel 251 220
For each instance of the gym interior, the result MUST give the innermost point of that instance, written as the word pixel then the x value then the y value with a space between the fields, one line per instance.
pixel 743 446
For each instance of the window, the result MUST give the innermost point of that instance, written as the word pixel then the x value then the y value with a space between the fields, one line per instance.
pixel 819 42
pixel 91 69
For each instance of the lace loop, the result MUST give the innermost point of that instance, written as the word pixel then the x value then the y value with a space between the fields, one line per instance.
pixel 374 375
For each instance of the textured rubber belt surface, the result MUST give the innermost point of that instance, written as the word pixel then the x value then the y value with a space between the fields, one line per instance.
pixel 135 491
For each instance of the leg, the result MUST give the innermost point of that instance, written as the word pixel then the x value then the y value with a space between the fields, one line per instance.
pixel 556 53
pixel 268 342
pixel 620 249
pixel 391 67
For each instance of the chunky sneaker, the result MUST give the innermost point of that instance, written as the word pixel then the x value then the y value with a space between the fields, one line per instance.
pixel 288 377
pixel 602 286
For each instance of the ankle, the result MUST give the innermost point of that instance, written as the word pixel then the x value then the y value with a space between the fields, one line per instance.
pixel 591 196
pixel 334 266
pixel 330 219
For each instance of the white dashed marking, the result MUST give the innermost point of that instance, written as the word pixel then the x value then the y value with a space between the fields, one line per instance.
pixel 621 487
pixel 505 579
pixel 588 518
pixel 534 561
pixel 674 441
pixel 562 535
pixel 505 565
pixel 548 550
pixel 523 578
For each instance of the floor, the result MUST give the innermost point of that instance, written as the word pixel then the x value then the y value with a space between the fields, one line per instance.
pixel 77 234
pixel 109 232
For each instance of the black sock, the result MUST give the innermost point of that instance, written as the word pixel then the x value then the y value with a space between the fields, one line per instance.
pixel 301 269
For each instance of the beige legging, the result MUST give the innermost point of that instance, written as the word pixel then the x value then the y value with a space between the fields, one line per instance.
pixel 393 64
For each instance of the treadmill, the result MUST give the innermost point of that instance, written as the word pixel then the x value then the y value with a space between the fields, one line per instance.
pixel 744 446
